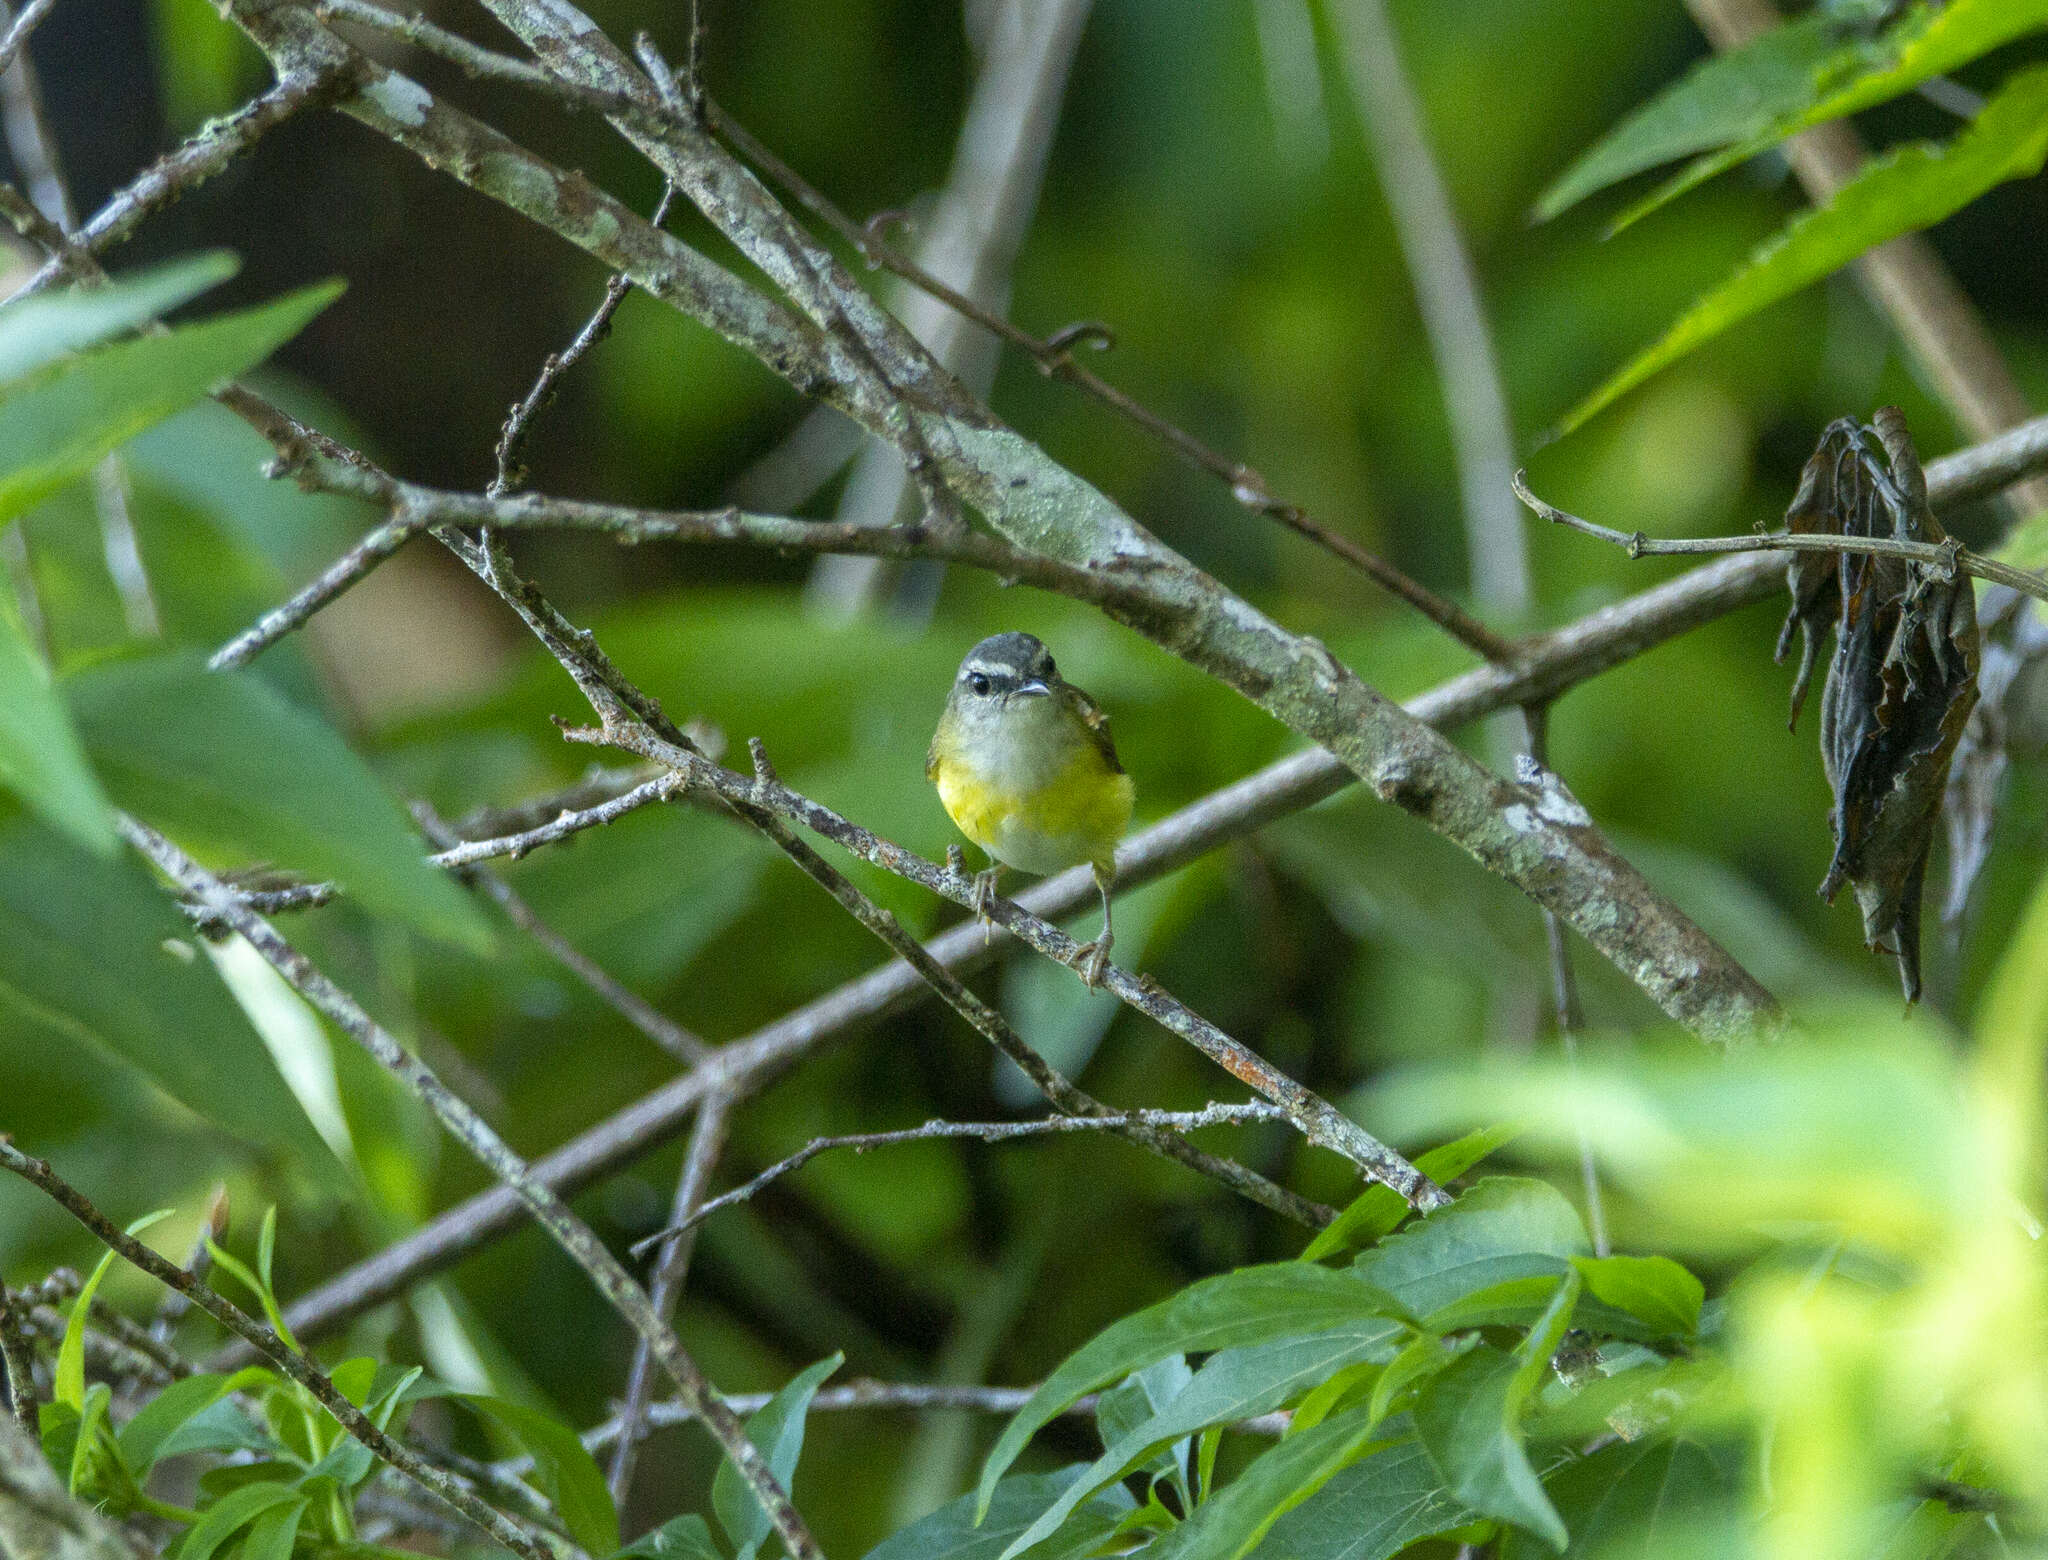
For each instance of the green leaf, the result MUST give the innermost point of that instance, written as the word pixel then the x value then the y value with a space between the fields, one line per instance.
pixel 265 1297
pixel 1928 41
pixel 778 1431
pixel 1375 1508
pixel 563 1470
pixel 680 1538
pixel 1232 1384
pixel 1469 1420
pixel 1376 1211
pixel 1909 188
pixel 220 1428
pixel 1504 1228
pixel 41 758
pixel 144 1436
pixel 1656 1289
pixel 223 759
pixel 68 1383
pixel 1232 1310
pixel 1636 1497
pixel 57 423
pixel 231 1513
pixel 1422 1359
pixel 1726 97
pixel 271 1535
pixel 952 1533
pixel 1233 1520
pixel 40 329
pixel 1137 1401
pixel 88 1452
pixel 91 950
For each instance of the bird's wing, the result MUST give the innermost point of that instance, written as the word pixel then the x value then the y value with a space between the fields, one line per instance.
pixel 1096 719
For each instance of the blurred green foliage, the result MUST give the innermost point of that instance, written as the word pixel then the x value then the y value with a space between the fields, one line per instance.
pixel 1209 196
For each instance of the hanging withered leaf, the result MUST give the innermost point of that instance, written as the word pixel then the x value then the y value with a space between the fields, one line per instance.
pixel 1904 675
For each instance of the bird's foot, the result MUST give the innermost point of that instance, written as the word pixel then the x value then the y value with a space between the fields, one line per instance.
pixel 984 901
pixel 1091 960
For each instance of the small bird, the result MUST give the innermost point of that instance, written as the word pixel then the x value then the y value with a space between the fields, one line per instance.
pixel 1025 766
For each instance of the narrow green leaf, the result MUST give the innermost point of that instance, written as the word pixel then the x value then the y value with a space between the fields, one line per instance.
pixel 57 423
pixel 40 329
pixel 1469 1420
pixel 1232 1384
pixel 241 1272
pixel 88 1452
pixel 272 1535
pixel 231 1513
pixel 1371 1510
pixel 1504 1228
pixel 778 1431
pixel 142 1437
pixel 91 951
pixel 1233 1310
pixel 952 1533
pixel 563 1470
pixel 1928 41
pixel 1377 1210
pixel 1233 1520
pixel 68 1384
pixel 687 1537
pixel 1656 1289
pixel 1726 97
pixel 1908 189
pixel 222 759
pixel 41 758
pixel 1422 1359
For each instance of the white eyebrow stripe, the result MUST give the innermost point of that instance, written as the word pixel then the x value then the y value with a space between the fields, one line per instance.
pixel 989 668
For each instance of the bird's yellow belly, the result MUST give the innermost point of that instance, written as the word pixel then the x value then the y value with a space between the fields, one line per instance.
pixel 1077 814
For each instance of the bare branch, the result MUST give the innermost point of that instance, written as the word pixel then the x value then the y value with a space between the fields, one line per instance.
pixel 18 1366
pixel 267 1343
pixel 659 789
pixel 981 1131
pixel 1944 560
pixel 17 33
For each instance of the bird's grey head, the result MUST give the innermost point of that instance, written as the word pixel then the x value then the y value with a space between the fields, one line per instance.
pixel 1005 666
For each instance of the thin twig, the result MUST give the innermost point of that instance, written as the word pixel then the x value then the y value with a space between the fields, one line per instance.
pixel 1552 663
pixel 22 25
pixel 981 1131
pixel 671 1269
pixel 18 1365
pixel 470 1129
pixel 38 1173
pixel 1944 560
pixel 630 1005
pixel 888 1397
pixel 514 846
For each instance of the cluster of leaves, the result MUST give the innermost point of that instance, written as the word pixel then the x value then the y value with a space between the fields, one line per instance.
pixel 1821 67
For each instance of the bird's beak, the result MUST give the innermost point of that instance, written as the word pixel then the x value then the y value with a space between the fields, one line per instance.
pixel 1034 686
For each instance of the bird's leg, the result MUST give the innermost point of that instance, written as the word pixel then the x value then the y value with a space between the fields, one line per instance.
pixel 985 896
pixel 1092 959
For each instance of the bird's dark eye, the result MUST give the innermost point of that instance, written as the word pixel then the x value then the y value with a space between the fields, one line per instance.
pixel 978 683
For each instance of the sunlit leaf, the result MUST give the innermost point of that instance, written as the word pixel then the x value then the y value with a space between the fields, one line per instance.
pixel 1930 40
pixel 40 329
pixel 1635 1497
pixel 1910 188
pixel 1726 97
pixel 563 1470
pixel 1233 1310
pixel 41 758
pixel 233 1512
pixel 1503 1229
pixel 1232 1384
pixel 1378 1209
pixel 778 1431
pixel 57 423
pixel 183 1400
pixel 68 1384
pixel 1656 1289
pixel 224 760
